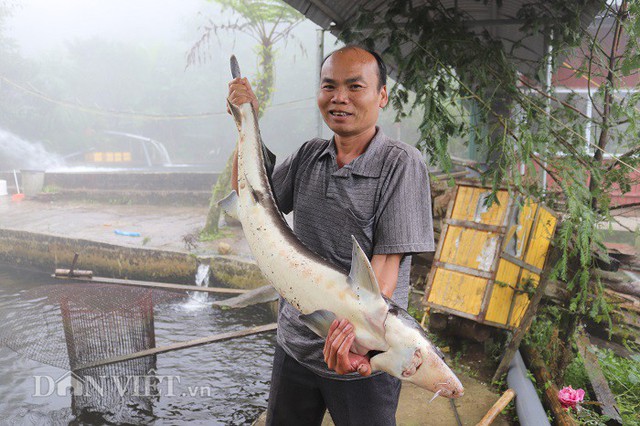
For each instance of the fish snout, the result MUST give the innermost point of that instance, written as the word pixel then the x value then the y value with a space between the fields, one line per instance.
pixel 451 390
pixel 434 375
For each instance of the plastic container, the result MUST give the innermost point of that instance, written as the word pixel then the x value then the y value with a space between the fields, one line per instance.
pixel 32 181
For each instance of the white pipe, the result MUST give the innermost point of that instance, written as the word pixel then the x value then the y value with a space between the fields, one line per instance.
pixel 587 128
pixel 547 107
pixel 528 405
pixel 320 58
pixel 15 178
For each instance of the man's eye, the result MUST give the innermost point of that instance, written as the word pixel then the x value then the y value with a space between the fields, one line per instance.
pixel 327 87
pixel 356 86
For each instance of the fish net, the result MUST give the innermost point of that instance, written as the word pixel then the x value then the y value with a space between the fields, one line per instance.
pixel 73 325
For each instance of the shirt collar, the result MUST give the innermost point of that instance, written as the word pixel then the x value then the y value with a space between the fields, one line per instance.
pixel 369 163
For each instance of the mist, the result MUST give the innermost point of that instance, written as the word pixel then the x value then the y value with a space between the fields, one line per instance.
pixel 73 72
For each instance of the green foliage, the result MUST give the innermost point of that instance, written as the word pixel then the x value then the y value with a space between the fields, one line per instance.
pixel 416 312
pixel 50 189
pixel 543 334
pixel 258 12
pixel 576 376
pixel 469 87
pixel 623 376
pixel 214 236
pixel 268 22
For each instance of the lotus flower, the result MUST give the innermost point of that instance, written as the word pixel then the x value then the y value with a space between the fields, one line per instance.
pixel 570 397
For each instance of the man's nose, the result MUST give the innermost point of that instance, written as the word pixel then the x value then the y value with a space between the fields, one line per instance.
pixel 340 96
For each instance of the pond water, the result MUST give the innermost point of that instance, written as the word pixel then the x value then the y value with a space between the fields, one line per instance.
pixel 220 383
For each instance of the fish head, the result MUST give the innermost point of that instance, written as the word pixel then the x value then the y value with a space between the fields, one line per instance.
pixel 412 357
pixel 434 374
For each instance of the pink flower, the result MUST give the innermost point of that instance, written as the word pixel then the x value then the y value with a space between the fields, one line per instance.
pixel 569 396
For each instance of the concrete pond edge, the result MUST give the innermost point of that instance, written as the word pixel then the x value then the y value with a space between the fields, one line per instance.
pixel 48 252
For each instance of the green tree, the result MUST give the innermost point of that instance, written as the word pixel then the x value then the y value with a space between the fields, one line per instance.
pixel 268 22
pixel 442 62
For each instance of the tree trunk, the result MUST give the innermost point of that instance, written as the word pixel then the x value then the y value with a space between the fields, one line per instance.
pixel 263 89
pixel 220 190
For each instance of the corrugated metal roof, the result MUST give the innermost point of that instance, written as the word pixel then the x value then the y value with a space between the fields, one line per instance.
pixel 500 20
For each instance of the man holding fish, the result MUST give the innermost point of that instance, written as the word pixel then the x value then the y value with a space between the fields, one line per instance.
pixel 359 183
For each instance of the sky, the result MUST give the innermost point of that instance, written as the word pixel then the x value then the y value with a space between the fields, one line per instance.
pixel 41 25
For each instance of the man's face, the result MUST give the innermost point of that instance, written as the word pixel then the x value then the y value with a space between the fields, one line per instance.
pixel 349 99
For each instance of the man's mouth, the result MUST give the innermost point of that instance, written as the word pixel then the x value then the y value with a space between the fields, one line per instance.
pixel 339 113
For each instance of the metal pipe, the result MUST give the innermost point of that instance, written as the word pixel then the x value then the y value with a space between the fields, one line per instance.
pixel 528 405
pixel 548 82
pixel 320 44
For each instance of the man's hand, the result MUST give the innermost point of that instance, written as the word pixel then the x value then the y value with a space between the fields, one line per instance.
pixel 240 92
pixel 336 350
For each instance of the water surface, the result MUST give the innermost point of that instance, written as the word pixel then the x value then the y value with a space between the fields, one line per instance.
pixel 220 383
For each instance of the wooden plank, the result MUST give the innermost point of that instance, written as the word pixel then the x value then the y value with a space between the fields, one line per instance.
pixel 470 248
pixel 463 270
pixel 444 309
pixel 544 229
pixel 597 379
pixel 183 345
pixel 486 299
pixel 73 273
pixel 67 326
pixel 499 306
pixel 475 225
pixel 468 200
pixel 520 332
pixel 436 257
pixel 521 263
pixel 495 410
pixel 457 291
pixel 519 280
pixel 167 286
pixel 520 300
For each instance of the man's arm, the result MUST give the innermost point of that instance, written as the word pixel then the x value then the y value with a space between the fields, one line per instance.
pixel 337 346
pixel 386 268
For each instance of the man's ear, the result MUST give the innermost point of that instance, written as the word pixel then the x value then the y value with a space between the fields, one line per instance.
pixel 384 97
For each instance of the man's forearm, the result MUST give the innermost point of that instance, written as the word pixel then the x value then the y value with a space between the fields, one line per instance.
pixel 386 268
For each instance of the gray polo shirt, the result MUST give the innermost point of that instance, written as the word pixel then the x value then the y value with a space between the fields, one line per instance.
pixel 382 198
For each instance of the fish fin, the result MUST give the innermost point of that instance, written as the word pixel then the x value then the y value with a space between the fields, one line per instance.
pixel 236 113
pixel 230 204
pixel 269 160
pixel 262 294
pixel 361 274
pixel 319 321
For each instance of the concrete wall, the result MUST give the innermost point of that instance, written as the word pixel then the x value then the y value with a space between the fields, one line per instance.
pixel 149 187
pixel 47 253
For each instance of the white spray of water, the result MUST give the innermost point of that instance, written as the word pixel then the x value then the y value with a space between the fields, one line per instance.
pixel 198 299
pixel 17 153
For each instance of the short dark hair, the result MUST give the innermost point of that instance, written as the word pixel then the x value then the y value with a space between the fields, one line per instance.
pixel 382 68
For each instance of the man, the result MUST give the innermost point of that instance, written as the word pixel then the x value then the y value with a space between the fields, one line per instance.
pixel 359 183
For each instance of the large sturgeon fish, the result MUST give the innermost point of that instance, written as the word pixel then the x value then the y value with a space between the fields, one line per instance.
pixel 321 291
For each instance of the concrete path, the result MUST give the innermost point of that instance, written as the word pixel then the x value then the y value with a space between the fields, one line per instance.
pixel 161 227
pixel 414 408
